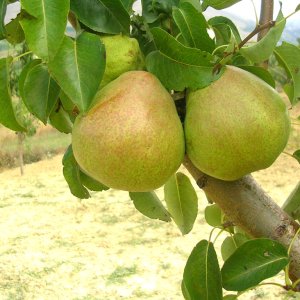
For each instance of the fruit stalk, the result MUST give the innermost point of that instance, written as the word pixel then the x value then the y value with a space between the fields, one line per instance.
pixel 247 205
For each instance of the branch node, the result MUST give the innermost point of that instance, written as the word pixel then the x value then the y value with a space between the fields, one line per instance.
pixel 202 181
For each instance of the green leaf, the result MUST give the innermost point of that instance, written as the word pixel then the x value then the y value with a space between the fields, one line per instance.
pixel 292 203
pixel 260 72
pixel 296 155
pixel 219 4
pixel 71 173
pixel 195 3
pixel 128 4
pixel 78 68
pixel 231 243
pixel 177 66
pixel 14 31
pixel 106 16
pixel 148 11
pixel 149 205
pixel 230 297
pixel 39 92
pixel 213 215
pixel 60 119
pixel 252 262
pixel 182 201
pixel 288 56
pixel 7 114
pixel 44 25
pixel 3 6
pixel 297 8
pixel 91 183
pixel 202 277
pixel 193 27
pixel 260 51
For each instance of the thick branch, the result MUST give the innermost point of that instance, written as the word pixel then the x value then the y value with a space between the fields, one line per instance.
pixel 246 204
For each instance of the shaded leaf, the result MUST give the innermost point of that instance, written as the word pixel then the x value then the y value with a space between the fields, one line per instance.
pixel 296 155
pixel 44 25
pixel 260 51
pixel 7 113
pixel 177 66
pixel 252 262
pixel 202 277
pixel 231 243
pixel 78 68
pixel 60 120
pixel 213 215
pixel 39 92
pixel 71 173
pixel 3 6
pixel 91 183
pixel 292 203
pixel 182 201
pixel 148 11
pixel 288 56
pixel 219 4
pixel 14 31
pixel 193 27
pixel 106 16
pixel 149 205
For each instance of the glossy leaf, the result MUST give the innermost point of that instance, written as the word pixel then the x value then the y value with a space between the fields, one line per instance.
pixel 39 91
pixel 231 243
pixel 202 277
pixel 195 3
pixel 213 215
pixel 60 120
pixel 78 68
pixel 44 25
pixel 288 55
pixel 149 205
pixel 219 4
pixel 71 173
pixel 252 262
pixel 3 6
pixel 296 155
pixel 260 51
pixel 177 66
pixel 91 183
pixel 193 27
pixel 14 31
pixel 260 72
pixel 7 114
pixel 182 201
pixel 106 16
pixel 292 203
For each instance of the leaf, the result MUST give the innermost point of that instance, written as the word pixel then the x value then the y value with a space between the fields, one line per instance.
pixel 297 8
pixel 260 72
pixel 260 51
pixel 231 243
pixel 148 11
pixel 292 203
pixel 218 4
pixel 14 31
pixel 71 173
pixel 39 91
pixel 91 183
pixel 252 262
pixel 202 277
pixel 288 56
pixel 177 66
pixel 149 205
pixel 296 155
pixel 230 297
pixel 7 114
pixel 195 3
pixel 78 68
pixel 106 16
pixel 3 6
pixel 213 215
pixel 182 201
pixel 60 120
pixel 44 25
pixel 193 27
pixel 128 4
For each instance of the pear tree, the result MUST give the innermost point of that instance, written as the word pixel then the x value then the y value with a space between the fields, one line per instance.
pixel 143 93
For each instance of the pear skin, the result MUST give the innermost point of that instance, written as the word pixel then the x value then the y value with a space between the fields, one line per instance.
pixel 132 138
pixel 235 126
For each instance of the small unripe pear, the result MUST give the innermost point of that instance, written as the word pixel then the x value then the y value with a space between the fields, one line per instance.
pixel 123 54
pixel 132 138
pixel 235 126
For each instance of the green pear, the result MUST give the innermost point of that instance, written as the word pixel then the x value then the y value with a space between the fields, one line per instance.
pixel 132 138
pixel 235 126
pixel 123 54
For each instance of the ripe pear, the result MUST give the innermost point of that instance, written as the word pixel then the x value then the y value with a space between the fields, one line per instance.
pixel 132 138
pixel 235 126
pixel 123 54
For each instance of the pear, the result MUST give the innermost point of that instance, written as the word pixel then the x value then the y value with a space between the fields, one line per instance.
pixel 132 138
pixel 123 54
pixel 235 126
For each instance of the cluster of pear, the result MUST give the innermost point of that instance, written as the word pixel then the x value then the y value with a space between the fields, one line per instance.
pixel 132 138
